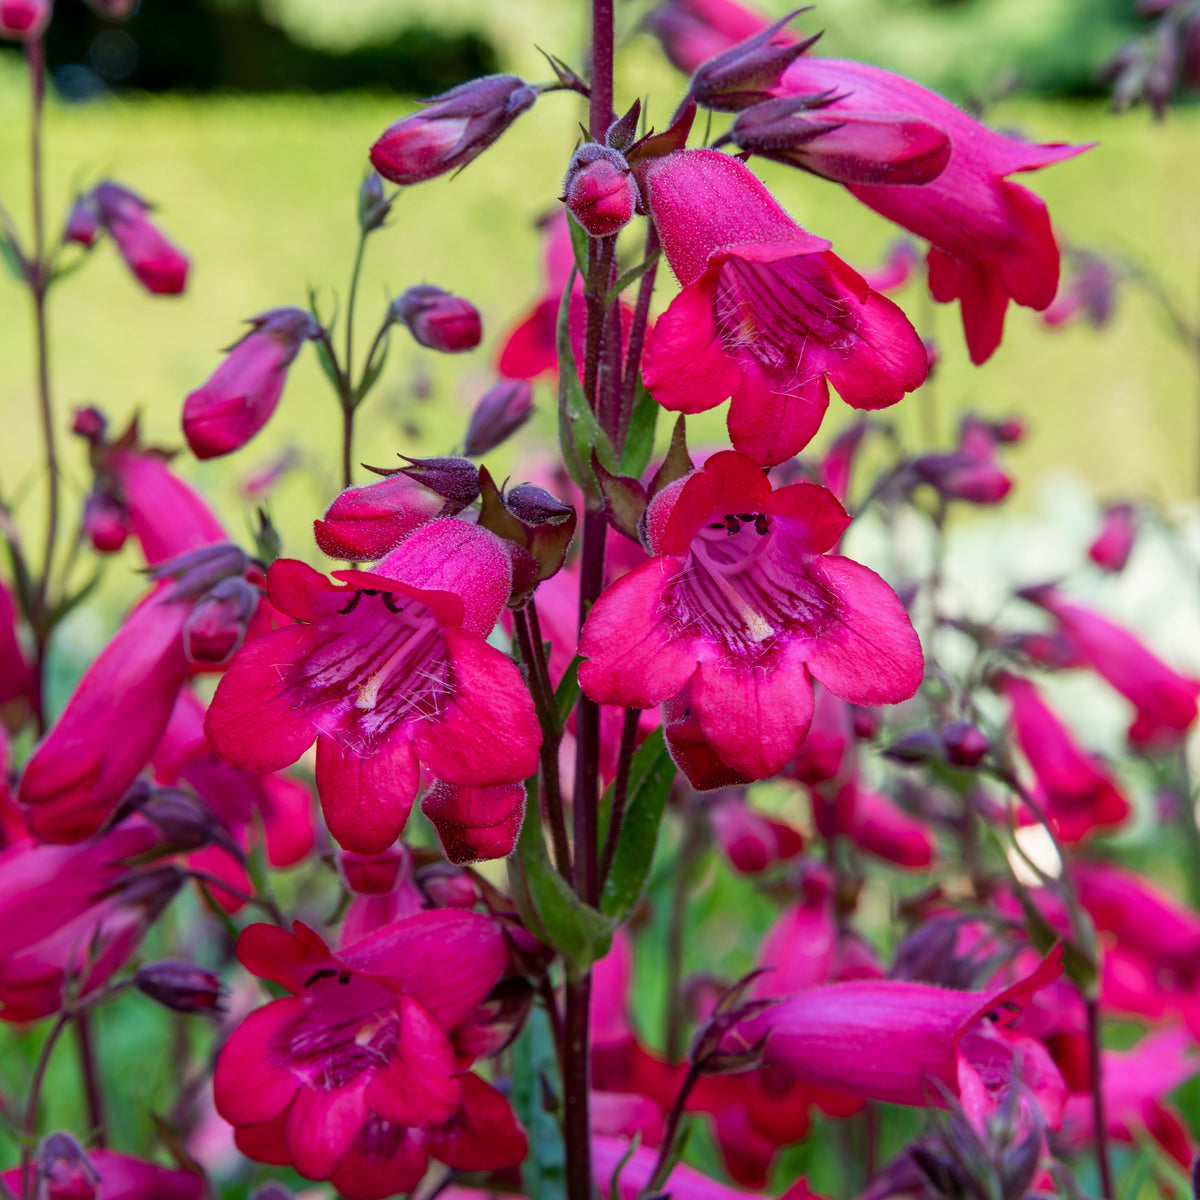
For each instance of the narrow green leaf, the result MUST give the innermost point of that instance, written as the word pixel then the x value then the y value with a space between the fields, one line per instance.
pixel 639 439
pixel 535 1076
pixel 579 244
pixel 12 258
pixel 650 778
pixel 577 931
pixel 631 276
pixel 373 369
pixel 567 691
pixel 327 365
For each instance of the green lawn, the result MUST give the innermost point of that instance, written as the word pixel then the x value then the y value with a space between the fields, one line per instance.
pixel 261 193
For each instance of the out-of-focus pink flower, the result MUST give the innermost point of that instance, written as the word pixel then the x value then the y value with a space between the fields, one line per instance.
pixel 120 1177
pixel 889 1040
pixel 599 189
pixel 1088 294
pixel 741 609
pixel 1165 702
pixel 239 398
pixel 74 914
pixel 751 841
pixel 971 472
pixel 991 239
pixel 388 672
pixel 897 269
pixel 451 130
pixel 354 1076
pixel 693 31
pixel 499 413
pixel 828 750
pixel 24 20
pixel 1072 788
pixel 159 266
pixel 1113 544
pixel 1135 1085
pixel 105 522
pixel 382 888
pixel 16 677
pixel 767 314
pixel 112 722
pixel 876 824
pixel 438 320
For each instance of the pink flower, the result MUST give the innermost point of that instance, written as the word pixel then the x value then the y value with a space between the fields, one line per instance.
pixel 599 190
pixel 1113 544
pixel 1073 790
pixel 24 20
pixel 971 472
pixel 876 824
pixel 740 607
pixel 113 720
pixel 159 266
pixel 438 320
pixel 897 269
pixel 991 239
pixel 354 1077
pixel 239 398
pixel 475 823
pixel 767 314
pixel 890 1040
pixel 120 1177
pixel 389 672
pixel 1135 1085
pixel 1165 702
pixel 693 31
pixel 16 677
pixel 751 841
pixel 74 914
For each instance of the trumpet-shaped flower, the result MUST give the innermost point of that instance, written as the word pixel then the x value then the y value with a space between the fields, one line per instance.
pixel 388 671
pixel 768 315
pixel 741 607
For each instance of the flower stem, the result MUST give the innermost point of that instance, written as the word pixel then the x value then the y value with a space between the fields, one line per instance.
pixel 29 1129
pixel 355 272
pixel 620 790
pixel 1102 1162
pixel 666 1149
pixel 91 1078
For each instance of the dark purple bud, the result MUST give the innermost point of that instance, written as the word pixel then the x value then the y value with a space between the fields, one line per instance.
pixel 448 886
pixel 843 145
pixel 149 890
pixel 89 423
pixel 501 411
pixel 437 319
pixel 373 204
pixel 746 73
pixel 623 131
pixel 930 954
pixel 216 627
pixel 105 522
pixel 965 744
pixel 451 130
pixel 713 1050
pixel 181 986
pixel 1113 545
pixel 83 222
pixel 185 822
pixel 454 478
pixel 599 190
pixel 197 571
pixel 65 1171
pixel 918 746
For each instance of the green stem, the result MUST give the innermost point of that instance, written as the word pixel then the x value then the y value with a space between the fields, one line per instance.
pixel 29 1129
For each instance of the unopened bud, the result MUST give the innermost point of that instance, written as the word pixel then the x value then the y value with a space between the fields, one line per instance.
pixel 24 20
pixel 599 190
pixel 866 722
pixel 216 627
pixel 448 886
pixel 501 411
pixel 451 130
pixel 197 571
pixel 185 821
pixel 1113 545
pixel 965 744
pixel 917 746
pixel 89 423
pixel 373 204
pixel 717 1049
pixel 83 222
pixel 622 133
pixel 150 890
pixel 438 320
pixel 65 1171
pixel 105 522
pixel 181 986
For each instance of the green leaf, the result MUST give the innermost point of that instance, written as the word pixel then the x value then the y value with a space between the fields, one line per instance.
pixel 373 369
pixel 650 779
pixel 12 258
pixel 535 1077
pixel 639 440
pixel 579 244
pixel 567 691
pixel 631 276
pixel 578 433
pixel 327 365
pixel 548 904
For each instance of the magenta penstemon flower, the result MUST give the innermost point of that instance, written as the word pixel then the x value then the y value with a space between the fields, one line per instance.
pixel 389 671
pixel 740 609
pixel 768 315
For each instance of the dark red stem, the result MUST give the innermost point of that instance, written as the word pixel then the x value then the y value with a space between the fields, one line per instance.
pixel 1102 1161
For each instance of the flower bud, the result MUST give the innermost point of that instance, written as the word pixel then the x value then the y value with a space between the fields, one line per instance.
pixel 746 73
pixel 185 821
pixel 105 522
pixel 241 395
pixel 158 265
pixel 24 20
pixel 373 204
pixel 89 423
pixel 196 571
pixel 501 411
pixel 216 627
pixel 965 744
pixel 1113 545
pixel 437 319
pixel 83 222
pixel 451 130
pixel 454 478
pixel 181 986
pixel 599 190
pixel 150 890
pixel 916 746
pixel 448 886
pixel 65 1171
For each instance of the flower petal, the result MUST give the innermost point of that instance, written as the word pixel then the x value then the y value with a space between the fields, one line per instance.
pixel 367 791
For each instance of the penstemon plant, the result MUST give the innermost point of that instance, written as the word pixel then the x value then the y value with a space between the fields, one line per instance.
pixel 642 669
